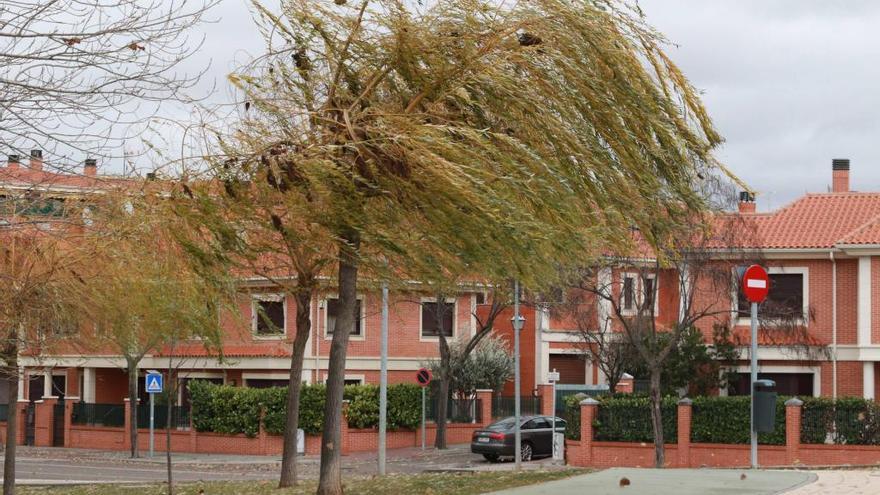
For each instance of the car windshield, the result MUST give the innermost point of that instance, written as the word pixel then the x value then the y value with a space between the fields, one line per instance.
pixel 504 424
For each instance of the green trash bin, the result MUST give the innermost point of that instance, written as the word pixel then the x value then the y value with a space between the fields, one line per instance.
pixel 765 405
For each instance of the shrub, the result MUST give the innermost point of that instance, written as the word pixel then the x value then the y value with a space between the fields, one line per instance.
pixel 726 420
pixel 233 410
pixel 628 419
pixel 852 421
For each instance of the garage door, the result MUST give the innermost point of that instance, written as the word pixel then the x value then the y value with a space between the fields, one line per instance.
pixel 571 367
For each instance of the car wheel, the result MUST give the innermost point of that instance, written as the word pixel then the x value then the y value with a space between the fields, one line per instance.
pixel 491 457
pixel 525 451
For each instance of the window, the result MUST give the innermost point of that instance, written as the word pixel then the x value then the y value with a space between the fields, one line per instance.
pixel 638 293
pixel 785 299
pixel 333 313
pixel 353 381
pixel 431 310
pixel 481 297
pixel 629 293
pixel 269 316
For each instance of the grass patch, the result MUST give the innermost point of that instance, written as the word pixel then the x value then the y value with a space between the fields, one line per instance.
pixel 419 484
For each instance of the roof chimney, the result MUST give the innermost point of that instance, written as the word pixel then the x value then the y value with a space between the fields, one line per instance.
pixel 91 167
pixel 840 175
pixel 36 160
pixel 12 161
pixel 747 202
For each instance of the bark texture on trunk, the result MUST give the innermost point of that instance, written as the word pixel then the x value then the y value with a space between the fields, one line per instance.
pixel 330 481
pixel 657 419
pixel 10 374
pixel 303 329
pixel 133 406
pixel 169 409
pixel 443 388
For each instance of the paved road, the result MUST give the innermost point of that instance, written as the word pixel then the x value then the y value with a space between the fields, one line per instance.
pixel 673 482
pixel 36 465
pixel 59 471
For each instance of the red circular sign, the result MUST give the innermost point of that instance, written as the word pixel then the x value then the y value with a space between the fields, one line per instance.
pixel 755 284
pixel 423 376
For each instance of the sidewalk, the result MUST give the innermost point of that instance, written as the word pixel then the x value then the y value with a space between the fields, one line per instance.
pixel 673 482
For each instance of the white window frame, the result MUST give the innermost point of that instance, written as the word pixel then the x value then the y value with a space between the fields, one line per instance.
pixel 639 292
pixel 361 378
pixel 448 300
pixel 267 297
pixel 784 270
pixel 363 317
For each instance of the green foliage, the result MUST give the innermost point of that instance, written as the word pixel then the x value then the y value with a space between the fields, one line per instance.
pixel 225 409
pixel 627 418
pixel 233 410
pixel 850 421
pixel 726 420
pixel 488 366
pixel 573 416
pixel 693 364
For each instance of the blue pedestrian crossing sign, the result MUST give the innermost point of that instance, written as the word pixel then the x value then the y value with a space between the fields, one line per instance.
pixel 154 383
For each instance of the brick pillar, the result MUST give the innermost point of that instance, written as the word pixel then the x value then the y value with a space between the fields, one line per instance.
pixel 68 416
pixel 485 398
pixel 589 411
pixel 22 419
pixel 624 385
pixel 685 409
pixel 73 383
pixel 193 436
pixel 263 438
pixel 43 416
pixel 545 392
pixel 793 411
pixel 343 438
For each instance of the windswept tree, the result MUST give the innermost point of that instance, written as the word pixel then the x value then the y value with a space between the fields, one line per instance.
pixel 39 262
pixel 464 137
pixel 249 225
pixel 140 292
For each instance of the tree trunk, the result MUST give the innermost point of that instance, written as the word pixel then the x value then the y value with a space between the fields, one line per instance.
pixel 133 406
pixel 443 392
pixel 297 356
pixel 330 482
pixel 657 418
pixel 169 409
pixel 10 372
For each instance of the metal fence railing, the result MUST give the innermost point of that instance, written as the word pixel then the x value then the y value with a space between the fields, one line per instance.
pixel 457 410
pixel 841 424
pixel 180 416
pixel 503 406
pixel 98 414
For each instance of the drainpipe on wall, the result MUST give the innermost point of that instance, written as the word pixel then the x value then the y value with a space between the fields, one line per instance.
pixel 315 310
pixel 833 325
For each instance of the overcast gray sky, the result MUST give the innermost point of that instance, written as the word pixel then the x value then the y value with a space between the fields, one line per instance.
pixel 790 84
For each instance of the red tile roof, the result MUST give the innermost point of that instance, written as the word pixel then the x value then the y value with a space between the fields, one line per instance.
pixel 257 349
pixel 775 338
pixel 23 176
pixel 816 221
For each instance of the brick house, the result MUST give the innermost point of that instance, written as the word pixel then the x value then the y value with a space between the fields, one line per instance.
pixel 822 252
pixel 823 249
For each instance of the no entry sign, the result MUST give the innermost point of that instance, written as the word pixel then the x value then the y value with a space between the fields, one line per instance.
pixel 755 284
pixel 423 376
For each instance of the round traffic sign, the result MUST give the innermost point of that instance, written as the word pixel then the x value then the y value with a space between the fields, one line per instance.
pixel 423 376
pixel 755 284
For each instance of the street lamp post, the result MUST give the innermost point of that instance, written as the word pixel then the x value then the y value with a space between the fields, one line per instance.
pixel 517 322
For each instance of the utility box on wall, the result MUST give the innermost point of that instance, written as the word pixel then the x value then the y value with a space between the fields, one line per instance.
pixel 765 405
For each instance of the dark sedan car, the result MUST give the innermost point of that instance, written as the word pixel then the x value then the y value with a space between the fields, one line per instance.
pixel 497 439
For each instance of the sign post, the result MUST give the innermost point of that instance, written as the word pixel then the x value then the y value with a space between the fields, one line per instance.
pixel 153 386
pixel 553 377
pixel 423 376
pixel 755 286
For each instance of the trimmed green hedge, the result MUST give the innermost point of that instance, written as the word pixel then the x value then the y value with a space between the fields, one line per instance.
pixel 851 421
pixel 623 418
pixel 233 410
pixel 726 420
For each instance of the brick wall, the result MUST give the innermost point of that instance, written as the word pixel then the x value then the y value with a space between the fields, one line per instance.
pixel 590 453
